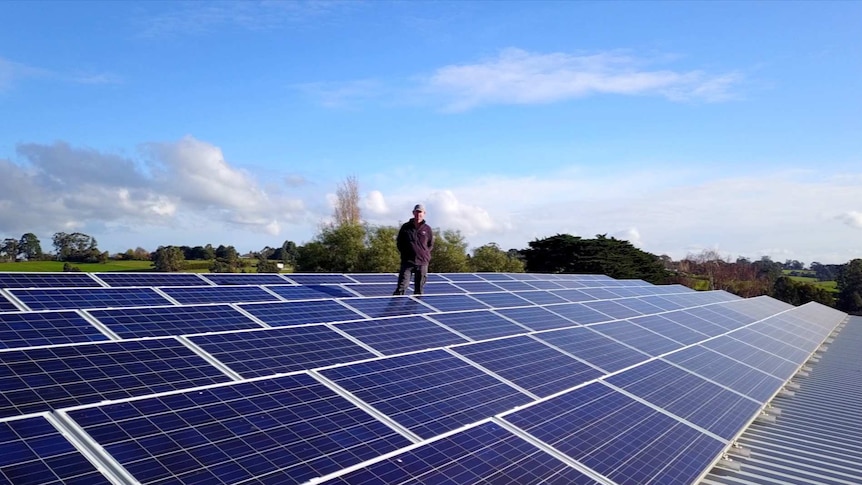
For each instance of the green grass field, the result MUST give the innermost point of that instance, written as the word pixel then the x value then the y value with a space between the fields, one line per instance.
pixel 124 266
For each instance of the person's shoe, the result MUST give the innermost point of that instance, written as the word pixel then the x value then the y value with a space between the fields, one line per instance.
pixel 398 292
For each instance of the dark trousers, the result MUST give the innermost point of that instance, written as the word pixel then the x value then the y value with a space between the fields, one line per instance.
pixel 420 274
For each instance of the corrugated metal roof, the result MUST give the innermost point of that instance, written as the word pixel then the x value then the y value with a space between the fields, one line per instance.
pixel 817 438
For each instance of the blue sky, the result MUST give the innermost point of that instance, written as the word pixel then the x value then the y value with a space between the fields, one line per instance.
pixel 680 126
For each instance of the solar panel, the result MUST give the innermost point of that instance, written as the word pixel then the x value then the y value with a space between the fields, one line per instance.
pixel 41 379
pixel 642 307
pixel 690 397
pixel 600 293
pixel 34 451
pixel 79 298
pixel 402 334
pixel 173 320
pixel 151 279
pixel 723 320
pixel 530 364
pixel 638 337
pixel 670 329
pixel 495 276
pixel 514 285
pixel 537 297
pixel 579 313
pixel 662 303
pixel 612 309
pixel 726 371
pixel 501 300
pixel 318 278
pixel 536 318
pixel 759 359
pixel 441 288
pixel 300 312
pixel 486 453
pixel 545 285
pixel 448 303
pixel 288 429
pixel 478 286
pixel 245 278
pixel 479 325
pixel 390 278
pixel 371 289
pixel 776 340
pixel 218 294
pixel 31 329
pixel 619 437
pixel 6 305
pixel 309 292
pixel 392 306
pixel 693 322
pixel 46 280
pixel 458 277
pixel 270 351
pixel 573 295
pixel 428 393
pixel 593 347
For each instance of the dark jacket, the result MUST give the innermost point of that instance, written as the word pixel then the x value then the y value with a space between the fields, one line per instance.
pixel 415 243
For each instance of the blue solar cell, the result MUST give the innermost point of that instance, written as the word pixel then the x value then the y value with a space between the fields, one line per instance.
pixel 79 298
pixel 245 278
pixel 387 306
pixel 46 378
pixel 717 317
pixel 6 305
pixel 619 437
pixel 371 289
pixel 778 341
pixel 578 313
pixel 536 318
pixel 219 294
pixel 30 329
pixel 477 286
pixel 285 313
pixel 441 288
pixel 669 329
pixel 309 292
pixel 640 305
pixel 151 279
pixel 637 337
pixel 600 293
pixel 289 429
pixel 686 319
pixel 514 285
pixel 428 393
pixel 479 325
pixel 728 372
pixel 462 277
pixel 662 303
pixel 33 451
pixel 173 320
pixel 593 347
pixel 573 295
pixel 541 297
pixel 759 359
pixel 486 453
pixel 501 300
pixel 402 334
pixel 450 303
pixel 571 284
pixel 612 309
pixel 317 278
pixel 47 280
pixel 530 364
pixel 690 397
pixel 389 278
pixel 495 276
pixel 270 351
pixel 436 278
pixel 545 285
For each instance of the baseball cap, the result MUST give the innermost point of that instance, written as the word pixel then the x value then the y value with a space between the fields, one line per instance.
pixel 419 207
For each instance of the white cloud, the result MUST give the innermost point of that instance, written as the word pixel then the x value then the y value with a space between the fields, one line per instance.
pixel 520 77
pixel 375 203
pixel 851 218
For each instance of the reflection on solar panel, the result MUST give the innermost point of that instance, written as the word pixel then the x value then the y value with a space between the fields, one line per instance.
pixel 6 305
pixel 46 280
pixel 46 378
pixel 219 294
pixel 670 329
pixel 77 298
pixel 593 348
pixel 387 307
pixel 30 329
pixel 245 278
pixel 693 398
pixel 289 429
pixel 612 309
pixel 309 292
pixel 637 337
pixel 479 325
pixel 536 318
pixel 594 423
pixel 151 279
pixel 318 278
pixel 402 334
pixel 769 363
pixel 163 321
pixel 530 364
pixel 371 289
pixel 34 451
pixel 449 303
pixel 267 352
pixel 300 312
pixel 578 313
pixel 428 393
pixel 470 456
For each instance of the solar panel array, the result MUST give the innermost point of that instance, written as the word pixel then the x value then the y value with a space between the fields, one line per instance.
pixel 289 378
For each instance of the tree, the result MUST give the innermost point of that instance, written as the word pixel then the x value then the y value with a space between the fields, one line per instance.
pixel 381 253
pixel 799 293
pixel 347 203
pixel 9 250
pixel 287 253
pixel 168 259
pixel 616 258
pixel 450 252
pixel 850 287
pixel 226 260
pixel 76 247
pixel 490 258
pixel 267 266
pixel 336 249
pixel 30 247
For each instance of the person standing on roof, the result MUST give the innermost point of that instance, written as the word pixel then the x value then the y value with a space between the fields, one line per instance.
pixel 415 242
